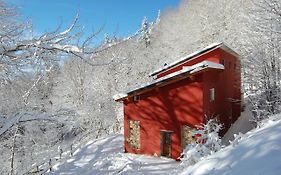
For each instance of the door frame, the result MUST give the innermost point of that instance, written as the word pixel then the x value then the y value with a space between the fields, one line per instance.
pixel 162 143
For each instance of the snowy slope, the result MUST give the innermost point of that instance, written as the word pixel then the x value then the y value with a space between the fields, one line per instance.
pixel 256 152
pixel 242 125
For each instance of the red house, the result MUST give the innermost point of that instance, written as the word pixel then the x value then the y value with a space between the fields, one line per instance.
pixel 160 116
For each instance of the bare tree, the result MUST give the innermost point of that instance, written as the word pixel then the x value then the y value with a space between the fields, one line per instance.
pixel 264 82
pixel 20 51
pixel 27 65
pixel 75 71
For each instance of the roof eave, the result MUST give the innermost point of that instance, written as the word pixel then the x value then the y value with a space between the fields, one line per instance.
pixel 229 50
pixel 165 82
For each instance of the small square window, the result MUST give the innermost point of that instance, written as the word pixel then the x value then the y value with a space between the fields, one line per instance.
pixel 137 98
pixel 212 94
pixel 222 61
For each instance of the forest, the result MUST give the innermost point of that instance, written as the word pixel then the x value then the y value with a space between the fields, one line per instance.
pixel 56 88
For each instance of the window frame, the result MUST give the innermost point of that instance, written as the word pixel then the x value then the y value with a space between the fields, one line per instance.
pixel 136 98
pixel 212 94
pixel 222 61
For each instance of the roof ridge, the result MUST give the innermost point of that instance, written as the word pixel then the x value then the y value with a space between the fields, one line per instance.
pixel 187 57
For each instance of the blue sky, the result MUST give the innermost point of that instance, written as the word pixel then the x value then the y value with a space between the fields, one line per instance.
pixel 122 17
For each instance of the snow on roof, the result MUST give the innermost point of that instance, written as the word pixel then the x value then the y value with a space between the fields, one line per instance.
pixel 119 96
pixel 194 54
pixel 188 69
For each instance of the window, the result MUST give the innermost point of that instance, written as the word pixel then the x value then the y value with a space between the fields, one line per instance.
pixel 134 134
pixel 137 98
pixel 212 94
pixel 222 61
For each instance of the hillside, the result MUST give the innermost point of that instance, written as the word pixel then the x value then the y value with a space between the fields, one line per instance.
pixel 256 152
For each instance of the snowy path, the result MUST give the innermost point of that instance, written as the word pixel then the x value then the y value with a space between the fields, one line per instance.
pixel 105 156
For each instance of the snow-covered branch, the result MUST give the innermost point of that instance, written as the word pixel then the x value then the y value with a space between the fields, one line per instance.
pixel 27 117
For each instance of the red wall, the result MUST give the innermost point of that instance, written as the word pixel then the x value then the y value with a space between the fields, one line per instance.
pixel 210 56
pixel 186 102
pixel 168 108
pixel 227 86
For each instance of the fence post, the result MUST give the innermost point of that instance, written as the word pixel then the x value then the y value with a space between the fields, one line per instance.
pixel 71 154
pixel 60 153
pixel 50 164
pixel 37 169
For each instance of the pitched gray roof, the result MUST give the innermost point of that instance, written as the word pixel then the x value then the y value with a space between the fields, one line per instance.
pixel 188 70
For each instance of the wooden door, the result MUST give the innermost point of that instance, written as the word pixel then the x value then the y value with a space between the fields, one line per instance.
pixel 166 143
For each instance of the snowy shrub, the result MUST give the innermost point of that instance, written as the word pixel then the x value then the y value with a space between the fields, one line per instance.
pixel 208 143
pixel 237 138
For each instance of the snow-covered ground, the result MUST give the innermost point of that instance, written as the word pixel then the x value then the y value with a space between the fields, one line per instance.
pixel 256 152
pixel 242 125
pixel 105 156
